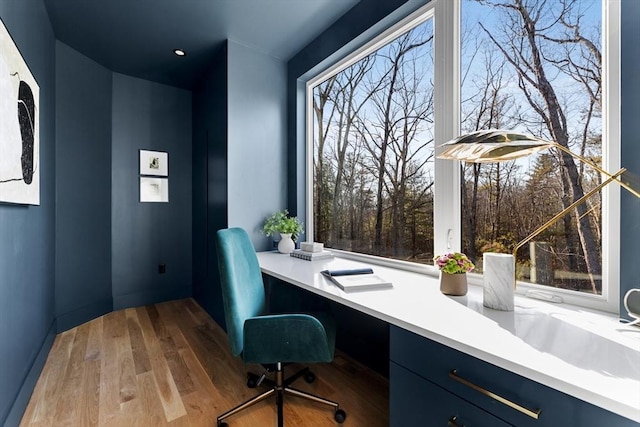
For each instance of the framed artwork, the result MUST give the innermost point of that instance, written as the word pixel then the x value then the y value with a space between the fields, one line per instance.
pixel 19 126
pixel 154 189
pixel 154 163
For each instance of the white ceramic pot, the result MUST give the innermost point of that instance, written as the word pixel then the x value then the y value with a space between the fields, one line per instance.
pixel 286 243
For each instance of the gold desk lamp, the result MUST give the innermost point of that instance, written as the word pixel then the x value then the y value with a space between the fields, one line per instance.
pixel 490 146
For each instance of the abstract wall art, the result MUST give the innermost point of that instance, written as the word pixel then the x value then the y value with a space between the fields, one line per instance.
pixel 19 126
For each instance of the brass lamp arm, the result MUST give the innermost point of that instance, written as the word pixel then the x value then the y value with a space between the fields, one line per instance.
pixel 626 185
pixel 568 209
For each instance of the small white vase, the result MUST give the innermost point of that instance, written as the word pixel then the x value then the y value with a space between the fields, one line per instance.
pixel 499 276
pixel 286 244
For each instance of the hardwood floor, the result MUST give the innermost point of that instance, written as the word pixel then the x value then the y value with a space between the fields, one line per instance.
pixel 169 365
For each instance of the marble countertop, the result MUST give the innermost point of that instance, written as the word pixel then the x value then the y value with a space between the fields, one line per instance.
pixel 580 352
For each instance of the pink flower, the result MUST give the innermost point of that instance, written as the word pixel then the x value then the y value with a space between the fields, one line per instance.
pixel 454 263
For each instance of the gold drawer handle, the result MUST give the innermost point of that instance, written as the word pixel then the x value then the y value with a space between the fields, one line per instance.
pixel 532 413
pixel 453 422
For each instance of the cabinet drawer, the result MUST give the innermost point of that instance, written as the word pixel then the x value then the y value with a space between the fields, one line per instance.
pixel 417 402
pixel 435 362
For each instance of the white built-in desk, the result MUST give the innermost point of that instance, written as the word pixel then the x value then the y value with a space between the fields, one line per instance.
pixel 585 354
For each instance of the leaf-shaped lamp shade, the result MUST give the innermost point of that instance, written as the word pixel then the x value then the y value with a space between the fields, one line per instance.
pixel 489 146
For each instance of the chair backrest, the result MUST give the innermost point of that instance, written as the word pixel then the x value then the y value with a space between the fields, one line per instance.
pixel 242 287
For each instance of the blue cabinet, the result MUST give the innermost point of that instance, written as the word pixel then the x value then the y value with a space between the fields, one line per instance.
pixel 438 383
pixel 416 401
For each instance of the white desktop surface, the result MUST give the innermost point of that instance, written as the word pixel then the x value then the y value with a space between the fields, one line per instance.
pixel 582 353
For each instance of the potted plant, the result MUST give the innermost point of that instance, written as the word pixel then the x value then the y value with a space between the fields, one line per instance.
pixel 454 267
pixel 287 226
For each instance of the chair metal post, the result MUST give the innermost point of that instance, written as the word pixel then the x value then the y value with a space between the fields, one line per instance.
pixel 245 405
pixel 279 394
pixel 310 396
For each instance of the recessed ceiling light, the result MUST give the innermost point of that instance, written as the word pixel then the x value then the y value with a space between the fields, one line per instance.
pixel 179 52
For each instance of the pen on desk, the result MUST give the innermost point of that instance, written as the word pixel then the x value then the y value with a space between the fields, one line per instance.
pixel 329 273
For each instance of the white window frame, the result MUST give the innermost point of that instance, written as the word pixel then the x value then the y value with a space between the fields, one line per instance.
pixel 447 211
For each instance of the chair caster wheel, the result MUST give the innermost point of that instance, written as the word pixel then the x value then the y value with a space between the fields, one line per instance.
pixel 309 377
pixel 223 425
pixel 252 382
pixel 340 416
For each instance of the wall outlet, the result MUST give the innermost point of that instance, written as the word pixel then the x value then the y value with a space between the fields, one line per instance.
pixel 162 268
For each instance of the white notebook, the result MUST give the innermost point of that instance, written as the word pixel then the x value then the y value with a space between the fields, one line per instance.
pixel 357 279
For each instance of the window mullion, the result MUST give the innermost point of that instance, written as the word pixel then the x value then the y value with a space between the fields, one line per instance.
pixel 447 215
pixel 611 155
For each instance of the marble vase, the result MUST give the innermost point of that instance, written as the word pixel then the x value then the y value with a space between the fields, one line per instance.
pixel 499 276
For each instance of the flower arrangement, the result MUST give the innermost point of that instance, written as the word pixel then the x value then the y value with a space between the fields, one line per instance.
pixel 281 222
pixel 454 263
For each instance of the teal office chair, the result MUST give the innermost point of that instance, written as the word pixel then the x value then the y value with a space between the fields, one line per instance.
pixel 267 339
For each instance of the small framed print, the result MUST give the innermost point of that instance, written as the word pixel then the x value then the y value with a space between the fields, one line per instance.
pixel 154 190
pixel 154 163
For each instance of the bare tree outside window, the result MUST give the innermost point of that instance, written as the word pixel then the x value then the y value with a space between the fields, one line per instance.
pixel 528 65
pixel 535 66
pixel 373 146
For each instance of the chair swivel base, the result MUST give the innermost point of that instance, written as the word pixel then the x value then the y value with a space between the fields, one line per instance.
pixel 279 388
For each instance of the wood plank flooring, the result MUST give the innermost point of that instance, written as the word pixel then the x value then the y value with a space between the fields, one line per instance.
pixel 169 365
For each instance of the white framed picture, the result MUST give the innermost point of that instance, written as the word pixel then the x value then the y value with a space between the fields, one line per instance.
pixel 19 126
pixel 155 163
pixel 154 190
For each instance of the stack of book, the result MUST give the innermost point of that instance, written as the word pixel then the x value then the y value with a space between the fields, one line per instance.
pixel 311 251
pixel 311 256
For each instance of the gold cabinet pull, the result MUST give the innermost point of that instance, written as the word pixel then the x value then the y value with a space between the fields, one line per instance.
pixel 453 422
pixel 532 413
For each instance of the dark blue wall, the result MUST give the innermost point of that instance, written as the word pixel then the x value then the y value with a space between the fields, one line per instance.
pixel 209 182
pixel 256 139
pixel 150 116
pixel 630 151
pixel 83 188
pixel 103 119
pixel 56 262
pixel 27 320
pixel 238 157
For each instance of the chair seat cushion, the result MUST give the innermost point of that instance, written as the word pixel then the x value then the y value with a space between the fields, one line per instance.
pixel 296 338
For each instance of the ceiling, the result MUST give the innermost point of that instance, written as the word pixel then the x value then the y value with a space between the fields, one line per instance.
pixel 137 37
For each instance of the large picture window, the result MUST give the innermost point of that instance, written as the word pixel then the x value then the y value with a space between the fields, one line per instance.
pixel 373 151
pixel 534 66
